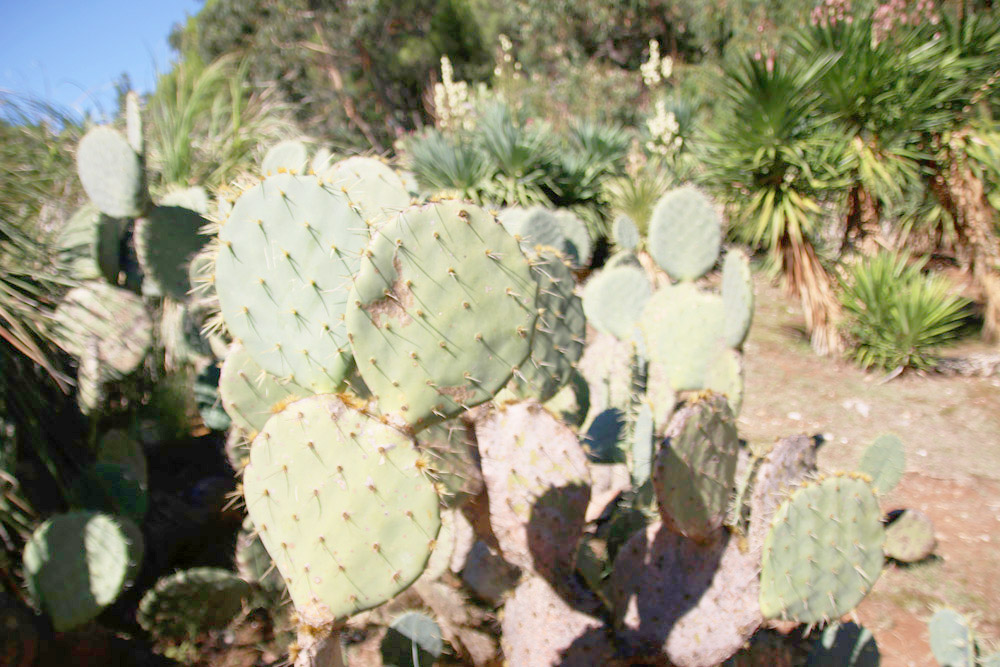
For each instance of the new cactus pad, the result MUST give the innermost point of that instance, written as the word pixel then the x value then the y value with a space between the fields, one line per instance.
pixel 111 173
pixel 442 312
pixel 824 550
pixel 250 395
pixel 287 255
pixel 685 232
pixel 342 505
pixel 371 185
pixel 189 602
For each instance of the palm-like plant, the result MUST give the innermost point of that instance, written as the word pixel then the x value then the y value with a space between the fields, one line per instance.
pixel 443 164
pixel 522 156
pixel 882 93
pixel 774 159
pixel 896 315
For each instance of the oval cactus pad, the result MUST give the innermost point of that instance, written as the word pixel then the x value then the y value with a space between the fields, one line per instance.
pixel 441 312
pixel 286 259
pixel 342 506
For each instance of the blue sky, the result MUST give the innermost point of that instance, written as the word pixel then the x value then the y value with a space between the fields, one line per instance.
pixel 70 52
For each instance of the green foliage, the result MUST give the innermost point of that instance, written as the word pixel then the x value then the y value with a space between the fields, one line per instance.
pixel 897 316
pixel 447 164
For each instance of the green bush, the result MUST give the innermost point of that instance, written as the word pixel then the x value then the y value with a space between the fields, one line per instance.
pixel 897 315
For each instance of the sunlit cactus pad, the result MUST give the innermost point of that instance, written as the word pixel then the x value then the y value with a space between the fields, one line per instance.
pixel 737 296
pixel 824 551
pixel 76 564
pixel 441 313
pixel 615 298
pixel 685 232
pixel 287 255
pixel 193 601
pixel 111 172
pixel 250 395
pixel 371 185
pixel 342 505
pixel 541 630
pixel 89 245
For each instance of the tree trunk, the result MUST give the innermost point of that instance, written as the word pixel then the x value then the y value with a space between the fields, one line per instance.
pixel 806 277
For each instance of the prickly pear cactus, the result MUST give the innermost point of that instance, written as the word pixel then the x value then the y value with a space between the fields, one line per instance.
pixel 560 331
pixel 89 245
pixel 441 313
pixel 576 245
pixel 737 297
pixel 538 483
pixel 76 564
pixel 815 569
pixel 952 641
pixel 254 563
pixel 165 242
pixel 372 186
pixel 909 537
pixel 290 155
pixel 694 602
pixel 614 299
pixel 287 255
pixel 784 468
pixel 413 639
pixel 342 505
pixel 189 602
pixel 884 461
pixel 695 469
pixel 685 233
pixel 111 173
pixel 541 630
pixel 115 318
pixel 625 233
pixel 250 395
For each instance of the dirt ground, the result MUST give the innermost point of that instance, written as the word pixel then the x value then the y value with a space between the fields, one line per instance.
pixel 950 427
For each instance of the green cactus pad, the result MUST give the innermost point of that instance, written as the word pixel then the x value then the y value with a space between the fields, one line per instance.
pixel 737 296
pixel 576 244
pixel 557 343
pixel 342 506
pixel 112 320
pixel 614 299
pixel 535 227
pixel 165 242
pixel 76 564
pixel 952 641
pixel 695 602
pixel 660 395
pixel 622 259
pixel 815 569
pixel 909 537
pixel 538 483
pixel 287 256
pixel 290 155
pixel 625 233
pixel 442 312
pixel 884 461
pixel 190 602
pixel 321 160
pixel 725 376
pixel 111 173
pixel 695 469
pixel 683 330
pixel 250 395
pixel 541 630
pixel 412 640
pixel 685 233
pixel 372 186
pixel 91 380
pixel 89 245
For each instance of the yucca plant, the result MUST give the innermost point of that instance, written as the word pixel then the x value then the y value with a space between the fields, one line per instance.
pixel 593 153
pixel 636 193
pixel 775 159
pixel 897 316
pixel 447 164
pixel 521 154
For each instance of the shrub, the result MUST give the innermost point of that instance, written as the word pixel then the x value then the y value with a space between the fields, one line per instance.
pixel 896 315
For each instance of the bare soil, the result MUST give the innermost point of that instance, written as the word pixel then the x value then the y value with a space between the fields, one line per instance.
pixel 950 427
